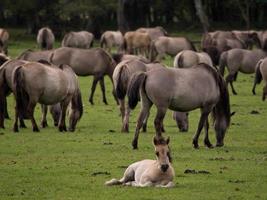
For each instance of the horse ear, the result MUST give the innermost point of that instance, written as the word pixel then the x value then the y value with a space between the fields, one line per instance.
pixel 155 140
pixel 168 140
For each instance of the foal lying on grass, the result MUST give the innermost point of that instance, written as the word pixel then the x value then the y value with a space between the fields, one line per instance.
pixel 145 173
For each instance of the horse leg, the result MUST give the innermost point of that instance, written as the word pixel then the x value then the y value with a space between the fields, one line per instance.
pixel 96 79
pixel 102 85
pixel 264 92
pixel 203 118
pixel 5 109
pixel 21 122
pixel 30 110
pixel 206 139
pixel 158 122
pixel 125 127
pixel 145 122
pixel 229 79
pixel 44 113
pixel 145 107
pixel 62 123
pixel 15 125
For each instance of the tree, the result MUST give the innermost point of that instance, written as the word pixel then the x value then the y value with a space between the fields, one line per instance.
pixel 202 16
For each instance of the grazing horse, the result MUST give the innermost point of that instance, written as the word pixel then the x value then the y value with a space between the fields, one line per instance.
pixel 121 77
pixel 137 41
pixel 31 55
pixel 111 39
pixel 82 39
pixel 45 38
pixel 86 62
pixel 118 57
pixel 147 173
pixel 55 84
pixel 239 60
pixel 154 33
pixel 4 36
pixel 261 73
pixel 169 45
pixel 182 90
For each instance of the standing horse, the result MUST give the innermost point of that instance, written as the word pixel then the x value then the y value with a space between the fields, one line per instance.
pixel 154 33
pixel 54 85
pixel 86 62
pixel 169 45
pixel 82 39
pixel 261 73
pixel 45 38
pixel 145 173
pixel 239 60
pixel 4 36
pixel 182 90
pixel 111 39
pixel 31 55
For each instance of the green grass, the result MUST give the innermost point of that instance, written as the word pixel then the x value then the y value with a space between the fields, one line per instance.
pixel 54 165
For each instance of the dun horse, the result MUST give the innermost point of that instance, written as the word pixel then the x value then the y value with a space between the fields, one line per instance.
pixel 45 38
pixel 182 90
pixel 54 85
pixel 147 173
pixel 4 36
pixel 31 55
pixel 111 39
pixel 82 39
pixel 261 73
pixel 239 60
pixel 154 33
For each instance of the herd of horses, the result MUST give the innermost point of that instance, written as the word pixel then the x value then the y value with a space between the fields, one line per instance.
pixel 195 81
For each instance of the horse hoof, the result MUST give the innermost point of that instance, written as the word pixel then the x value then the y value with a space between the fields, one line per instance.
pixel 91 102
pixel 219 144
pixel 183 130
pixel 134 144
pixel 35 129
pixel 195 145
pixel 71 129
pixel 105 102
pixel 22 126
pixel 44 124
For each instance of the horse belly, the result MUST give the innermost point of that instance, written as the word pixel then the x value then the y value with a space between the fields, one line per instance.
pixel 184 104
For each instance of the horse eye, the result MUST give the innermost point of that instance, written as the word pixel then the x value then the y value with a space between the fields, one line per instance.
pixel 157 153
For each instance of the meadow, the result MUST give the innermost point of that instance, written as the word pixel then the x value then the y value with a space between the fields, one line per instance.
pixel 54 165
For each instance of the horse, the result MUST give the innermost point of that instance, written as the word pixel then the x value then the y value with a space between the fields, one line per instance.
pixel 4 36
pixel 169 45
pixel 85 62
pixel 45 38
pixel 154 32
pixel 182 90
pixel 111 39
pixel 31 55
pixel 55 84
pixel 81 39
pixel 261 73
pixel 239 60
pixel 188 58
pixel 147 173
pixel 118 57
pixel 121 77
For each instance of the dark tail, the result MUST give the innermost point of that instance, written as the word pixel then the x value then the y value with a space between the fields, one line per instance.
pixel 221 112
pixel 22 97
pixel 44 39
pixel 3 105
pixel 76 110
pixel 124 46
pixel 137 80
pixel 192 46
pixel 258 77
pixel 180 61
pixel 222 62
pixel 121 88
pixel 102 41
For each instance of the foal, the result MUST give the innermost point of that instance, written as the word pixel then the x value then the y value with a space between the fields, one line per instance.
pixel 145 173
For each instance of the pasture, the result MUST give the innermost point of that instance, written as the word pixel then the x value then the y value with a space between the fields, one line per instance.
pixel 54 165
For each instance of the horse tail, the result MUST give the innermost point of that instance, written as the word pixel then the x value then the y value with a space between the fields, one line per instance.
pixel 221 112
pixel 192 46
pixel 113 182
pixel 121 89
pixel 44 39
pixel 102 41
pixel 3 106
pixel 76 109
pixel 222 62
pixel 124 46
pixel 22 97
pixel 180 60
pixel 137 80
pixel 258 77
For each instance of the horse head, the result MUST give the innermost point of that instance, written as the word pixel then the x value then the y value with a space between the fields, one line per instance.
pixel 162 152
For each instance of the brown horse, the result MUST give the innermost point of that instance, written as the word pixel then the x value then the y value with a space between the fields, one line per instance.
pixel 239 60
pixel 86 62
pixel 182 90
pixel 4 36
pixel 45 38
pixel 111 39
pixel 261 73
pixel 55 84
pixel 81 39
pixel 147 173
pixel 154 32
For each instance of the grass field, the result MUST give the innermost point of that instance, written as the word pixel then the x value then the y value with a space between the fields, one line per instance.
pixel 54 165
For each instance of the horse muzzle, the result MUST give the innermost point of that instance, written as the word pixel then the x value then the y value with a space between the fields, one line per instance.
pixel 164 168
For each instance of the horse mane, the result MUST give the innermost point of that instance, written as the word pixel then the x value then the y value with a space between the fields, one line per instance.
pixel 42 61
pixel 117 57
